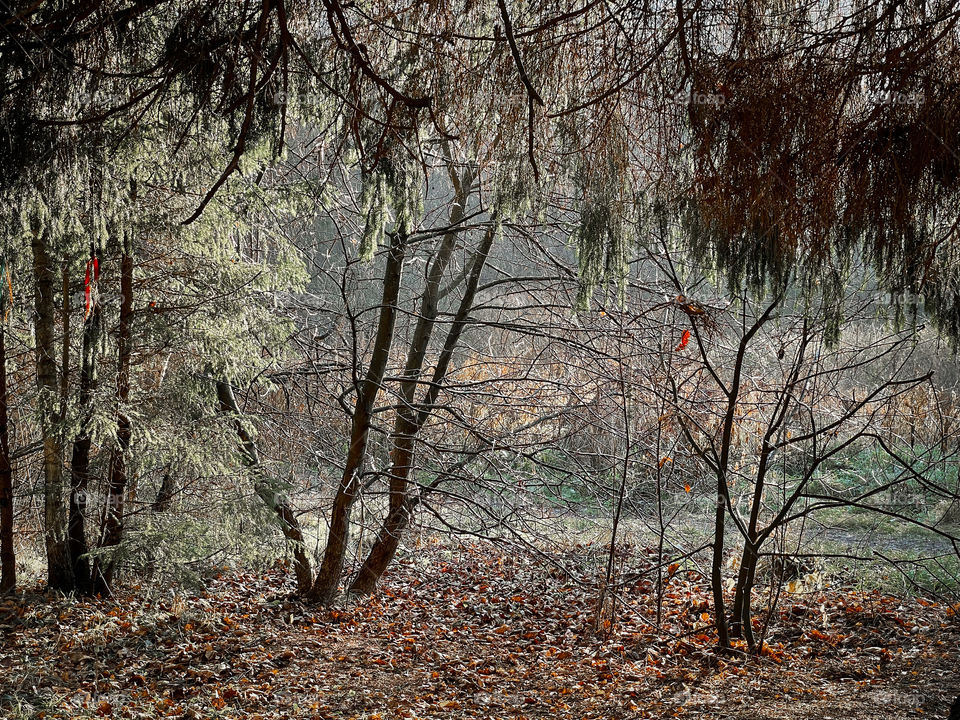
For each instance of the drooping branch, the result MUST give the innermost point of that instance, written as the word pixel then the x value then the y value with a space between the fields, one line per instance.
pixel 267 489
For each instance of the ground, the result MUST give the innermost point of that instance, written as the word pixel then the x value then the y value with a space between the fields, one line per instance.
pixel 469 632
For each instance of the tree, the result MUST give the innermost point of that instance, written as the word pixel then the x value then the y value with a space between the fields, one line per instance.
pixel 59 567
pixel 781 398
pixel 410 417
pixel 80 457
pixel 8 561
pixel 111 530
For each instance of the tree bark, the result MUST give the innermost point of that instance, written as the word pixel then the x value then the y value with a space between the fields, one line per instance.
pixel 8 560
pixel 65 345
pixel 742 617
pixel 59 569
pixel 388 539
pixel 80 459
pixel 112 525
pixel 326 584
pixel 164 497
pixel 267 491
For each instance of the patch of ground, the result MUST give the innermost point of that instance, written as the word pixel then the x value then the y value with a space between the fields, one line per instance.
pixel 469 633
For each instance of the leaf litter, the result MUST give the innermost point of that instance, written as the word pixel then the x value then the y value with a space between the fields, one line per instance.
pixel 472 633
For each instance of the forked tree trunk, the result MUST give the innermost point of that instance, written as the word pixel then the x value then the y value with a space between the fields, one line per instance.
pixel 273 499
pixel 408 426
pixel 327 582
pixel 112 526
pixel 8 560
pixel 742 622
pixel 723 499
pixel 59 569
pixel 80 459
pixel 723 465
pixel 716 573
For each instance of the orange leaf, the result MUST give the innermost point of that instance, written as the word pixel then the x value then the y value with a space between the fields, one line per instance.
pixel 687 487
pixel 684 339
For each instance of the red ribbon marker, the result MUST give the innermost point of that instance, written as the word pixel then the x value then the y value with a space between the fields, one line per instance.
pixel 91 277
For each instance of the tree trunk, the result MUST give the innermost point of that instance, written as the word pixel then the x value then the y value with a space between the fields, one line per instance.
pixel 327 582
pixel 164 497
pixel 716 573
pixel 267 492
pixel 723 499
pixel 388 539
pixel 8 561
pixel 112 525
pixel 65 346
pixel 59 569
pixel 80 460
pixel 741 624
pixel 742 620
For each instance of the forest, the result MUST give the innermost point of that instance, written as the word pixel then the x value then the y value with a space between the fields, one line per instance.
pixel 368 360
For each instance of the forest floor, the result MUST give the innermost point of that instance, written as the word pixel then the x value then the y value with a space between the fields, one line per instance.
pixel 469 632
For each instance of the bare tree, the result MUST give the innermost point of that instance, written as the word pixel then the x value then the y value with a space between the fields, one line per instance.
pixel 781 390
